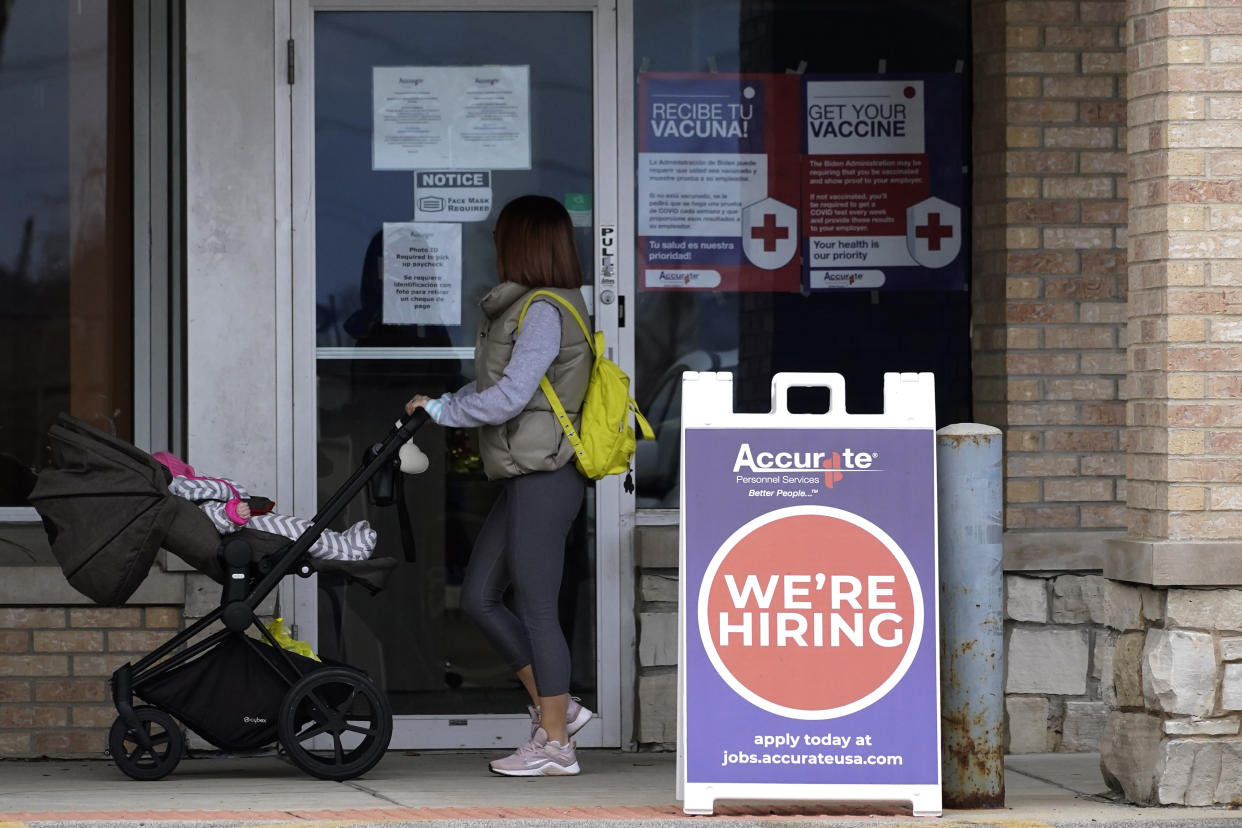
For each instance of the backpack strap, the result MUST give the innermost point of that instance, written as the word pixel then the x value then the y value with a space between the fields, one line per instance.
pixel 597 348
pixel 568 306
pixel 562 416
pixel 643 425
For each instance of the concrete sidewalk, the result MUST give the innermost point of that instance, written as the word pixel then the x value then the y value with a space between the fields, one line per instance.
pixel 454 788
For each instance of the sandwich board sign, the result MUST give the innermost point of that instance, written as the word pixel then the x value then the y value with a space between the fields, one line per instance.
pixel 807 640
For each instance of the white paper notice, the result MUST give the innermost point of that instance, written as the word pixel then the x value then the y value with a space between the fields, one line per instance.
pixel 450 117
pixel 422 274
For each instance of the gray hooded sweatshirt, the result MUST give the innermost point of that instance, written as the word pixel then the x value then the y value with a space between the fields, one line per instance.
pixel 531 440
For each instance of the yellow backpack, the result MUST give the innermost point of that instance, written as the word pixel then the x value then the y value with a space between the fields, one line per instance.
pixel 604 443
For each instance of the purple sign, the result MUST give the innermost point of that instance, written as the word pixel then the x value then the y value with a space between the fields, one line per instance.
pixel 809 570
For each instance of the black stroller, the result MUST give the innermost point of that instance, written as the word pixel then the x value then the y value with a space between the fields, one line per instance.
pixel 107 511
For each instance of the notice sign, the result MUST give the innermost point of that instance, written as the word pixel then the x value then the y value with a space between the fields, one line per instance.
pixel 450 117
pixel 808 648
pixel 718 182
pixel 447 195
pixel 882 192
pixel 422 274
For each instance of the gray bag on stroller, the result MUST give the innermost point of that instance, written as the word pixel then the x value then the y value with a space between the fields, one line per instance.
pixel 107 512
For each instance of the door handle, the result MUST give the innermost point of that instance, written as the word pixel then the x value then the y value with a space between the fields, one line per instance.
pixel 608 265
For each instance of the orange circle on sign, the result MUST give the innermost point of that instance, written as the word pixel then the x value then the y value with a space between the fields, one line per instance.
pixel 810 610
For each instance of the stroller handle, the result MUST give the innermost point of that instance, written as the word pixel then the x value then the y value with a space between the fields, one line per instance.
pixel 387 450
pixel 413 421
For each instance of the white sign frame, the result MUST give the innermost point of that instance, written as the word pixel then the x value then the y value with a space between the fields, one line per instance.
pixel 707 403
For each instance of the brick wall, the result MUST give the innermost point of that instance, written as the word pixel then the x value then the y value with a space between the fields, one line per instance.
pixel 1186 271
pixel 988 200
pixel 1050 259
pixel 55 663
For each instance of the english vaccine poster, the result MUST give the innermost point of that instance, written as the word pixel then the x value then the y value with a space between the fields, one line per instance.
pixel 883 184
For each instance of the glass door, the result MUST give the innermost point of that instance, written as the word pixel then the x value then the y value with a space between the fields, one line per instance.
pixel 413 124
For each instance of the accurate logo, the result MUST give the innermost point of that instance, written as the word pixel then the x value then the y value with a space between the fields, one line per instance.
pixel 834 463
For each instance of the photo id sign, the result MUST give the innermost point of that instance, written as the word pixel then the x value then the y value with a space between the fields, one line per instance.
pixel 422 273
pixel 808 637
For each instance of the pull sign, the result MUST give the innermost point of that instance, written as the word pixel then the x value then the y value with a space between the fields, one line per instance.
pixel 608 255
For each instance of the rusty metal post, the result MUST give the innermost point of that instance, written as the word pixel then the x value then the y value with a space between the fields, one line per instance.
pixel 972 644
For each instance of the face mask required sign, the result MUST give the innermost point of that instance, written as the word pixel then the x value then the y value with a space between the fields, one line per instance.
pixel 808 647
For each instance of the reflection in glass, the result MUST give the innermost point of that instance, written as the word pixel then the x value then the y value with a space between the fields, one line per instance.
pixel 412 637
pixel 65 226
pixel 753 335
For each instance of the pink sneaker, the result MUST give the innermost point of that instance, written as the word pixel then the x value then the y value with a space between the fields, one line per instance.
pixel 576 717
pixel 539 757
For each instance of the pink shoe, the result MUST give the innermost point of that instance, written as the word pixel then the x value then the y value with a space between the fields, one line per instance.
pixel 576 717
pixel 539 757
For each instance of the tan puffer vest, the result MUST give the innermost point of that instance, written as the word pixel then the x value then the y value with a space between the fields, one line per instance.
pixel 533 440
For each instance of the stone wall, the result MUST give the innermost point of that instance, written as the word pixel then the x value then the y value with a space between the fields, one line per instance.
pixel 656 554
pixel 1061 637
pixel 1173 737
pixel 1150 677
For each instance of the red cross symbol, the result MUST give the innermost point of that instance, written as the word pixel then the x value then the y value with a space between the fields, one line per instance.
pixel 934 231
pixel 769 232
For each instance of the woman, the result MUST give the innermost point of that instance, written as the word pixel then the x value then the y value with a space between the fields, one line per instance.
pixel 522 541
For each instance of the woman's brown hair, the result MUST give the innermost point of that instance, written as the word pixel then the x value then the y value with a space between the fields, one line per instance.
pixel 535 244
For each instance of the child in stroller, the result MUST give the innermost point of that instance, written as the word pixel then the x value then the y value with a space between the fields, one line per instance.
pixel 107 510
pixel 228 506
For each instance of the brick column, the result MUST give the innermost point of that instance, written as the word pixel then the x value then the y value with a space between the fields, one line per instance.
pixel 1184 412
pixel 1177 671
pixel 1049 286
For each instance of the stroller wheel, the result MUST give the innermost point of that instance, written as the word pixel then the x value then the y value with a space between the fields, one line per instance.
pixel 346 708
pixel 162 733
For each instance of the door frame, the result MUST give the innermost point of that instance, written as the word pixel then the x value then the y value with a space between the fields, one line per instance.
pixel 295 265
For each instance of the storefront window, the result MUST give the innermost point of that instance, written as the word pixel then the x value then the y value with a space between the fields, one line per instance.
pixel 66 227
pixel 801 203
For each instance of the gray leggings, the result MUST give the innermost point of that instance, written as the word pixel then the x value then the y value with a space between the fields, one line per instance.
pixel 522 543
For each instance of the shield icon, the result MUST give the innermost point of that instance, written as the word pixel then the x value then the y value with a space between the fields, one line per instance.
pixel 769 233
pixel 934 232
